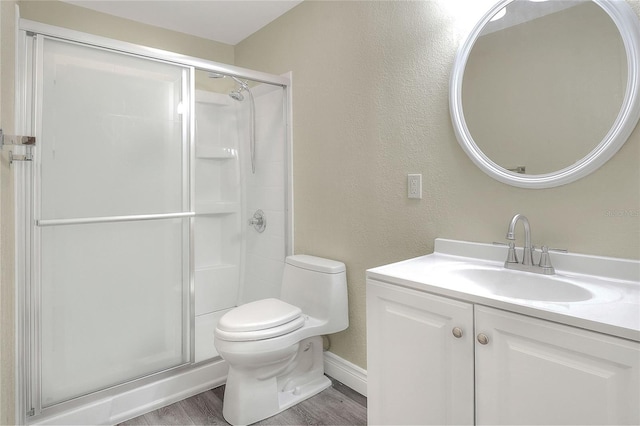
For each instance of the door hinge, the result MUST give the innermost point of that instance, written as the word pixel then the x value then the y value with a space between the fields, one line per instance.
pixel 31 412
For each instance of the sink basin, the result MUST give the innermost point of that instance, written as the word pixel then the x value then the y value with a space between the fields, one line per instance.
pixel 522 285
pixel 595 293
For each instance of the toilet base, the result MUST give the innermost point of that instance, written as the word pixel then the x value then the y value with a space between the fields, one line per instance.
pixel 249 398
pixel 290 398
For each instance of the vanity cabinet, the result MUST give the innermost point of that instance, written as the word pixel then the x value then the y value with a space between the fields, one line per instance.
pixel 532 371
pixel 513 369
pixel 418 372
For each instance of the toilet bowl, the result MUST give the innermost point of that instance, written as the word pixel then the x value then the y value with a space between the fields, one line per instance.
pixel 274 346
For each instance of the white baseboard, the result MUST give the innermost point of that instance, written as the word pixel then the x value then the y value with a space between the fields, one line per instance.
pixel 346 372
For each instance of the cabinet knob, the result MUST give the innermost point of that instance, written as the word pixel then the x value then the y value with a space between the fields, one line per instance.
pixel 483 339
pixel 457 331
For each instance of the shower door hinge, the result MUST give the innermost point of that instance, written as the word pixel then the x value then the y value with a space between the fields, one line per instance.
pixel 31 412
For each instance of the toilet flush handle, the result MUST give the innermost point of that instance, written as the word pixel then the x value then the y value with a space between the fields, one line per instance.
pixel 258 221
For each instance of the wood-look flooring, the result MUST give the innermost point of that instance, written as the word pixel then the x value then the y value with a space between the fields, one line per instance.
pixel 337 405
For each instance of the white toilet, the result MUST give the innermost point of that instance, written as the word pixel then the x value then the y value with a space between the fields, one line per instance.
pixel 274 346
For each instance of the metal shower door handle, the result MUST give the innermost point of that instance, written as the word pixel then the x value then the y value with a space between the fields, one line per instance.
pixel 258 221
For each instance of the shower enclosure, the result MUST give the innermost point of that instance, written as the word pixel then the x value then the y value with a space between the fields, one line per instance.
pixel 133 220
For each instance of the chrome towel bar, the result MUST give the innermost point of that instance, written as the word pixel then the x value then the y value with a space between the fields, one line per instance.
pixel 112 219
pixel 16 140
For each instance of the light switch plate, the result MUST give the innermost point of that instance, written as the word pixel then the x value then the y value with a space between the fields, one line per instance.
pixel 414 185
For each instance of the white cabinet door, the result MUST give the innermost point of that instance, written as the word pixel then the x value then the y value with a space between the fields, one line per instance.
pixel 418 371
pixel 537 372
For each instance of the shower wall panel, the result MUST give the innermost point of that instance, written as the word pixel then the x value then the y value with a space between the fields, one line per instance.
pixel 234 263
pixel 266 190
pixel 217 233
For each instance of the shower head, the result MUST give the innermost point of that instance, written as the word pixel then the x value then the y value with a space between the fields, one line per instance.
pixel 242 86
pixel 235 94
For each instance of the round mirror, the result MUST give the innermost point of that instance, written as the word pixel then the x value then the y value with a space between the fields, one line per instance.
pixel 545 92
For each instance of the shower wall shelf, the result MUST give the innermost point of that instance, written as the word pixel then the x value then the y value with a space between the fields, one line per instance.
pixel 218 207
pixel 217 266
pixel 216 153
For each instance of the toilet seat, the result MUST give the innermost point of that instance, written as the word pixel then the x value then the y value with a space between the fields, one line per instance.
pixel 259 320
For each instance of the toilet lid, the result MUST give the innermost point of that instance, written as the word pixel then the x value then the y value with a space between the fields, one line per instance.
pixel 268 333
pixel 259 320
pixel 259 315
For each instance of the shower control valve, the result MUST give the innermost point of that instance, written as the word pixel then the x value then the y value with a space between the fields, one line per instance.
pixel 258 221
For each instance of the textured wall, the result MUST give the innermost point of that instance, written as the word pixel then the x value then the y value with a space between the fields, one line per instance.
pixel 65 15
pixel 370 104
pixel 7 312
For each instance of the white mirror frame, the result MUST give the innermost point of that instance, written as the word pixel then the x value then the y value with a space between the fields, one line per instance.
pixel 629 27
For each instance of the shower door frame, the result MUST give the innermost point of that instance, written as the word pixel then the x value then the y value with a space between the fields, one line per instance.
pixel 34 45
pixel 25 103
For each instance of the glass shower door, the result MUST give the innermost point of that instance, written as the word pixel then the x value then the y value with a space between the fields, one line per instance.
pixel 111 259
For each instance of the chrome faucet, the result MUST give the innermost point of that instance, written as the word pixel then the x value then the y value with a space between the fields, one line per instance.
pixel 527 256
pixel 543 267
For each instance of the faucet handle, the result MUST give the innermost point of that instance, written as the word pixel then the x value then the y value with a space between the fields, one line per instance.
pixel 545 259
pixel 511 255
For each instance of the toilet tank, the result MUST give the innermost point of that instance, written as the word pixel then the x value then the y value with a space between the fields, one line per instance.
pixel 318 286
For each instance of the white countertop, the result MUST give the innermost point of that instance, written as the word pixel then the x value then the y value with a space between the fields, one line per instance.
pixel 615 283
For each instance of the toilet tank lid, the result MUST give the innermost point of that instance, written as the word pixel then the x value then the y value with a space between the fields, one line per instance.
pixel 317 264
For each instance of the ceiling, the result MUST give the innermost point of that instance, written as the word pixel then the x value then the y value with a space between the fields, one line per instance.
pixel 225 21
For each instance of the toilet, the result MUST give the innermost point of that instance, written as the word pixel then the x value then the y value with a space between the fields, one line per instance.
pixel 274 346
